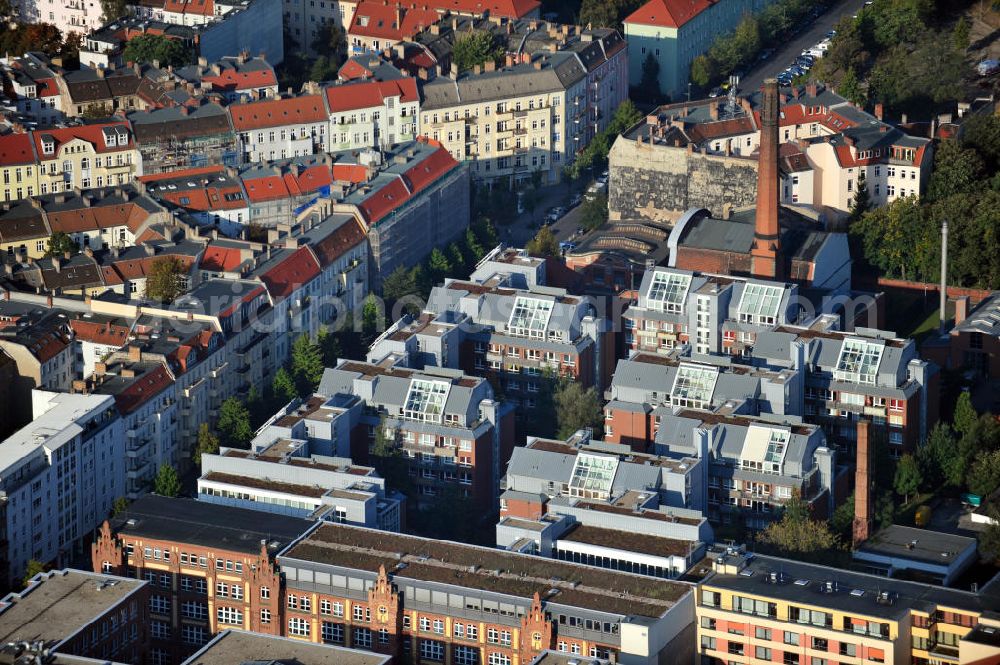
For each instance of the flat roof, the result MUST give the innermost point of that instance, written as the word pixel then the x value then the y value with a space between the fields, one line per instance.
pixel 854 592
pixel 488 569
pixel 905 542
pixel 60 604
pixel 628 541
pixel 236 647
pixel 208 524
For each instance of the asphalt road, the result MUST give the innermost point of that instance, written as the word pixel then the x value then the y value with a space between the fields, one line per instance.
pixel 785 56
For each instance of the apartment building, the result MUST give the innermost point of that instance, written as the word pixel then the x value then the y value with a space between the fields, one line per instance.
pixel 455 435
pixel 513 121
pixel 601 51
pixel 601 504
pixel 69 16
pixel 73 616
pixel 228 27
pixel 34 89
pixel 98 219
pixel 208 196
pixel 101 90
pixel 38 341
pixel 236 78
pixel 867 373
pixel 446 602
pixel 373 114
pixel 720 311
pixel 673 33
pixel 60 474
pixel 647 386
pixel 974 342
pixel 280 128
pixel 378 25
pixel 182 137
pixel 208 567
pixel 292 469
pixel 759 609
pixel 753 464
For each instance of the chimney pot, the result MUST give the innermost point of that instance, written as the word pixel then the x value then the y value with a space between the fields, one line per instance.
pixel 879 109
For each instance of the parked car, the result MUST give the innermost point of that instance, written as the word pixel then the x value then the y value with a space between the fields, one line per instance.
pixel 576 200
pixel 567 246
pixel 987 67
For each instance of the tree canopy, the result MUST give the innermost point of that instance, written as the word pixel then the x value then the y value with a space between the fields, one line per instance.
pixel 166 280
pixel 543 244
pixel 476 48
pixel 166 51
pixel 796 532
pixel 208 443
pixel 307 365
pixel 233 425
pixel 167 483
pixel 577 408
pixel 59 243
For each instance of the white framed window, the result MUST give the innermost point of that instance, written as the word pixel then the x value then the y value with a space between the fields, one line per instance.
pixel 229 615
pixel 298 627
pixel 432 650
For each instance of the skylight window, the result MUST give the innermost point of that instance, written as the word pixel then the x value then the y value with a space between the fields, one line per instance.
pixel 593 476
pixel 759 303
pixel 858 362
pixel 530 317
pixel 426 400
pixel 764 449
pixel 667 291
pixel 694 385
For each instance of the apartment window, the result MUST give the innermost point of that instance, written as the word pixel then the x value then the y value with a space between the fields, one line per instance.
pixel 293 602
pixel 298 626
pixel 160 630
pixel 159 604
pixel 466 655
pixel 265 615
pixel 338 608
pixel 497 658
pixel 425 624
pixel 193 609
pixel 324 606
pixel 305 603
pixel 265 592
pixel 439 626
pixel 196 635
pixel 791 638
pixel 229 615
pixel 763 634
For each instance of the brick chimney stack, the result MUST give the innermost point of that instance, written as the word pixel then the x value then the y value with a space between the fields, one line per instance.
pixel 766 241
pixel 864 482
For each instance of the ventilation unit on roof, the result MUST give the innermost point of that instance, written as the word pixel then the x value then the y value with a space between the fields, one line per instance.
pixel 829 586
pixel 801 582
pixel 746 572
pixel 857 593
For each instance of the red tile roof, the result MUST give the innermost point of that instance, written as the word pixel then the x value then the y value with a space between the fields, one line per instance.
pixel 298 269
pixel 278 112
pixel 350 173
pixel 143 388
pixel 335 245
pixel 98 216
pixel 503 8
pixel 231 80
pixel 98 332
pixel 93 134
pixel 16 149
pixel 668 13
pixel 384 200
pixel 390 21
pixel 182 173
pixel 197 7
pixel 429 169
pixel 273 186
pixel 369 94
pixel 352 70
pixel 48 346
pixel 221 259
pixel 414 179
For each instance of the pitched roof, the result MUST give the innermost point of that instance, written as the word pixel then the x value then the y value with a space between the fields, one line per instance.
pixel 502 8
pixel 385 21
pixel 369 94
pixel 278 112
pixel 99 332
pixel 196 7
pixel 668 13
pixel 142 388
pixel 92 134
pixel 218 258
pixel 338 242
pixel 16 149
pixel 299 268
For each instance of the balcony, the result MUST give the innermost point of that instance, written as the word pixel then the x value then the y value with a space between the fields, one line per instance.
pixel 138 472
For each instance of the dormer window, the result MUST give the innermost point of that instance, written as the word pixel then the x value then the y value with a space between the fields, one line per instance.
pixel 110 137
pixel 48 145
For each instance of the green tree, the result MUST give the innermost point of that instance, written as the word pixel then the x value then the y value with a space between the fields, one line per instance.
pixel 957 170
pixel 330 347
pixel 594 213
pixel 576 408
pixel 113 9
pixel 476 48
pixel 960 34
pixel 850 88
pixel 388 458
pixel 167 279
pixel 307 365
pixel 907 480
pixel 398 284
pixel 842 522
pixel 59 243
pixel 981 132
pixel 208 443
pixel 650 82
pixel 989 538
pixel 796 532
pixel 330 42
pixel 702 70
pixel 934 454
pixel 438 265
pixel 862 201
pixel 372 320
pixel 456 259
pixel 475 247
pixel 167 483
pixel 32 568
pixel 323 69
pixel 166 51
pixel 965 414
pixel 984 474
pixel 897 239
pixel 233 425
pixel 119 506
pixel 283 387
pixel 543 244
pixel 486 233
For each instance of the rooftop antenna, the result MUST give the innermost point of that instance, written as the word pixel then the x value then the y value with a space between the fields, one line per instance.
pixel 734 81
